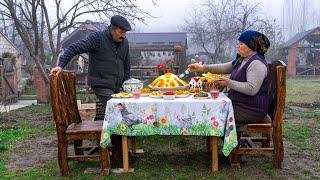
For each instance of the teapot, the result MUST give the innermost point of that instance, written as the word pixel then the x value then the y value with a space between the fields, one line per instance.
pixel 195 84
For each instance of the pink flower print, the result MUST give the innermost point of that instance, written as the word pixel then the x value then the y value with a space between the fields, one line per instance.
pixel 213 119
pixel 215 124
pixel 155 123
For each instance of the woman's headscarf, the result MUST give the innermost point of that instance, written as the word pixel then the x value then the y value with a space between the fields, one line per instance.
pixel 256 41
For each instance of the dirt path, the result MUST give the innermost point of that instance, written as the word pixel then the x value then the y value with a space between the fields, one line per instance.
pixel 33 152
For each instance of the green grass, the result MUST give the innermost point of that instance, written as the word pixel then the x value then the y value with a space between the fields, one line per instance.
pixel 10 136
pixel 303 91
pixel 28 97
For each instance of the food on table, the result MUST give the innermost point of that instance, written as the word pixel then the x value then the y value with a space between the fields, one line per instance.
pixel 156 93
pixel 194 90
pixel 168 93
pixel 208 81
pixel 145 91
pixel 201 94
pixel 209 76
pixel 122 95
pixel 182 92
pixel 168 80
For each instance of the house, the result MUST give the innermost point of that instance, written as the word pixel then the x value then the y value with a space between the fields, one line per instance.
pixel 303 53
pixel 146 49
pixel 10 69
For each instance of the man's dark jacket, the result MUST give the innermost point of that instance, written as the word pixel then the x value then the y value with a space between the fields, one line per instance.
pixel 109 62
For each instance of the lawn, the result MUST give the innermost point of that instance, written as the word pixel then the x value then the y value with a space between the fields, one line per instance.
pixel 28 147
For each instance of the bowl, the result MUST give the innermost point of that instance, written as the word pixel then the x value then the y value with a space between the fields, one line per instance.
pixel 168 97
pixel 132 85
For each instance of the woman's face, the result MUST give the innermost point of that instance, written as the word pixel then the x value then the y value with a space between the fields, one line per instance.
pixel 244 50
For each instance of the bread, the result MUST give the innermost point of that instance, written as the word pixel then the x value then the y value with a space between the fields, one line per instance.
pixel 168 80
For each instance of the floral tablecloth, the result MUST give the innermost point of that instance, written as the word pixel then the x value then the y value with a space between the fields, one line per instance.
pixel 181 116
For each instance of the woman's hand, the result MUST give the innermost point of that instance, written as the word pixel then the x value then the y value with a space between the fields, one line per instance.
pixel 195 67
pixel 222 82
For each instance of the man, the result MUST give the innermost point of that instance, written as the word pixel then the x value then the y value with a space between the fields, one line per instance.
pixel 109 61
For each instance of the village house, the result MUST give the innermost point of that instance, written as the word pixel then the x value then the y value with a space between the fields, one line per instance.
pixel 303 53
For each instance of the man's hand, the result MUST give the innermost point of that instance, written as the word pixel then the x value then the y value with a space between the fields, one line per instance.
pixel 56 70
pixel 195 67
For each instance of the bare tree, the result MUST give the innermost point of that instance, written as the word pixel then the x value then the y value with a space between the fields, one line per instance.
pixel 214 23
pixel 37 27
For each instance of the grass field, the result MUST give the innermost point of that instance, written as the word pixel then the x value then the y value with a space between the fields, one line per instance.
pixel 28 147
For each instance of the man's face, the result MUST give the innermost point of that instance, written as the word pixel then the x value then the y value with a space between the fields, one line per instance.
pixel 118 34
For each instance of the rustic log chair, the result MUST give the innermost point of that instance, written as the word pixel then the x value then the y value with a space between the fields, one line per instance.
pixel 268 131
pixel 69 125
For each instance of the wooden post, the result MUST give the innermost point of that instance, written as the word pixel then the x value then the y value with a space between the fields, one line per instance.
pixel 214 153
pixel 125 154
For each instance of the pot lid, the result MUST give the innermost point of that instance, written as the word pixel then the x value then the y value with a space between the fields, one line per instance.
pixel 132 81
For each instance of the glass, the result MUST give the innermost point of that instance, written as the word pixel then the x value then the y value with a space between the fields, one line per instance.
pixel 136 95
pixel 214 93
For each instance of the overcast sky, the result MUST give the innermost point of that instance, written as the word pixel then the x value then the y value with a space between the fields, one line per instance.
pixel 171 13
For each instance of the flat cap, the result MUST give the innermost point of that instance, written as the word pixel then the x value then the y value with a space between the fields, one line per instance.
pixel 120 22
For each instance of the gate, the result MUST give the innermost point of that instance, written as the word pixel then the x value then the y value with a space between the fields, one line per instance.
pixel 8 81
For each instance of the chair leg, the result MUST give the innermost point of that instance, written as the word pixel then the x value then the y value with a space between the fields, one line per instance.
pixel 278 151
pixel 105 160
pixel 76 145
pixel 266 142
pixel 63 157
pixel 234 156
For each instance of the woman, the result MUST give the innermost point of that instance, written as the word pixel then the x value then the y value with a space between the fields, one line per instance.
pixel 248 80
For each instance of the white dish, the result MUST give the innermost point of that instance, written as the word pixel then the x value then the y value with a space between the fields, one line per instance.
pixel 153 96
pixel 168 97
pixel 200 97
pixel 145 94
pixel 121 95
pixel 182 95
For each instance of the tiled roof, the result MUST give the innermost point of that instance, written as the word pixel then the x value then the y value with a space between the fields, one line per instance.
pixel 298 37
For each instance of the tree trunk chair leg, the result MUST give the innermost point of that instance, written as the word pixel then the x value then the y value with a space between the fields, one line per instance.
pixel 63 157
pixel 278 152
pixel 105 160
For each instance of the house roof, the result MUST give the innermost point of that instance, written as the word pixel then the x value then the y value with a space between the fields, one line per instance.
pixel 168 38
pixel 82 31
pixel 135 39
pixel 298 37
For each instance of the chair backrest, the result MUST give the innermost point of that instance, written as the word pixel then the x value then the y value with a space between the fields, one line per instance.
pixel 277 89
pixel 63 99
